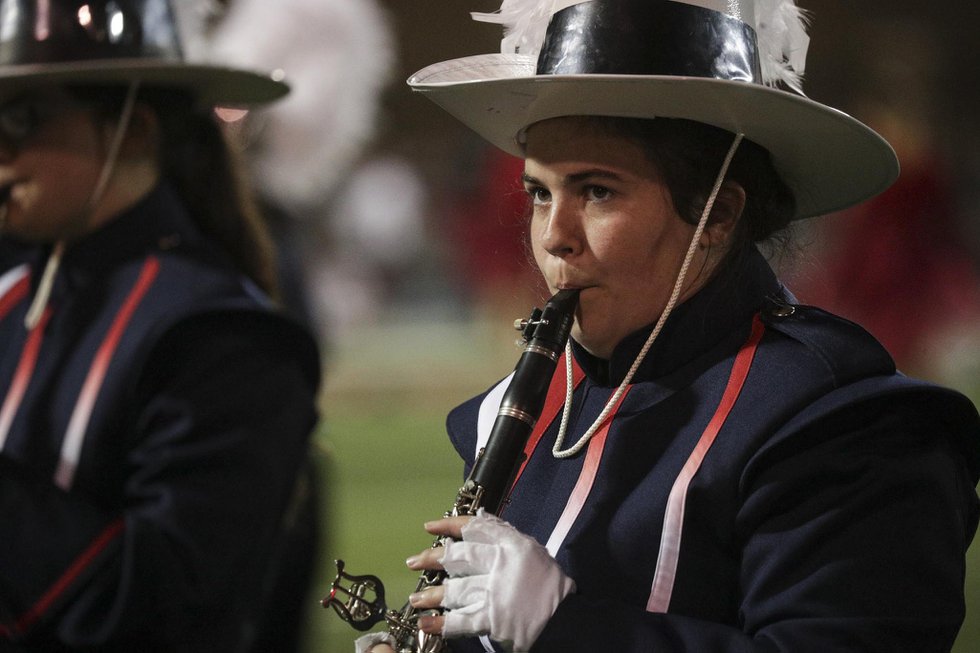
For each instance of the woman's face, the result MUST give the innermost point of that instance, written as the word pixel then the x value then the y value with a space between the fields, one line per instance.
pixel 603 221
pixel 51 154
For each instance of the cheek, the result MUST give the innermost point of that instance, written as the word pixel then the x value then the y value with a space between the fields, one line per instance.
pixel 66 171
pixel 58 185
pixel 534 239
pixel 624 252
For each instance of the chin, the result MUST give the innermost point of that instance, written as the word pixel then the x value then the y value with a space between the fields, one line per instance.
pixel 589 344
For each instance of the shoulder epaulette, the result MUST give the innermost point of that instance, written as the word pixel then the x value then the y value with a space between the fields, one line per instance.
pixel 846 349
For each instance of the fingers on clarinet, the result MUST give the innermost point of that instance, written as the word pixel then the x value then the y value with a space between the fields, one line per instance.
pixel 431 624
pixel 427 598
pixel 429 559
pixel 448 526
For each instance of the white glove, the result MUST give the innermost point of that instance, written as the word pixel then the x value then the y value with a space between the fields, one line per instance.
pixel 364 643
pixel 501 583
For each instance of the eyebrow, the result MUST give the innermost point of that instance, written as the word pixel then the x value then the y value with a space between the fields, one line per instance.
pixel 568 180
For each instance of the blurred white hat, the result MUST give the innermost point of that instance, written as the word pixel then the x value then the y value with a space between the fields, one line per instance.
pixel 118 42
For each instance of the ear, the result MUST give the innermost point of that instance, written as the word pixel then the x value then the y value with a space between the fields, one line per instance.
pixel 725 214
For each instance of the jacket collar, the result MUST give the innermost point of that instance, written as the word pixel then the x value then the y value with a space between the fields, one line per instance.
pixel 157 222
pixel 719 311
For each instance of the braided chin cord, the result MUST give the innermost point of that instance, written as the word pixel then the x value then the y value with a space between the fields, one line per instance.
pixel 43 294
pixel 668 309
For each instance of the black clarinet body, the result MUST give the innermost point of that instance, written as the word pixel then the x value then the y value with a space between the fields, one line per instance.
pixel 361 602
pixel 523 400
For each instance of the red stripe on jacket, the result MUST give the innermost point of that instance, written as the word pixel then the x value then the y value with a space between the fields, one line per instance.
pixel 79 565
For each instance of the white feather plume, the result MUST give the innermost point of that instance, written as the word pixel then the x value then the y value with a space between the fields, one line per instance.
pixel 194 20
pixel 781 27
pixel 783 41
pixel 338 56
pixel 525 23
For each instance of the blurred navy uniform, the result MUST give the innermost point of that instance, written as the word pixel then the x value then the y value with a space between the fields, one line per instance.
pixel 153 426
pixel 155 409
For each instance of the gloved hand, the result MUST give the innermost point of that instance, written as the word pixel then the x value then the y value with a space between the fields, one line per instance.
pixel 501 582
pixel 367 643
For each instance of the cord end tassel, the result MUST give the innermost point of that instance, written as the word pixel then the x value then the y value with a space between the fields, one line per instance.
pixel 43 294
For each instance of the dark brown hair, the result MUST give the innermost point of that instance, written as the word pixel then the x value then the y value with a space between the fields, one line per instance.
pixel 207 173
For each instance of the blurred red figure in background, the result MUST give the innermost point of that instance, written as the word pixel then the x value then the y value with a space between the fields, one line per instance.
pixel 899 264
pixel 869 278
pixel 487 223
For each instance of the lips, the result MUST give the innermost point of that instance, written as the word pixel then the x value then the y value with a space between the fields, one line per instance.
pixel 572 286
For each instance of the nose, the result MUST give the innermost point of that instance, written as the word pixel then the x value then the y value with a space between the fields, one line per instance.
pixel 561 232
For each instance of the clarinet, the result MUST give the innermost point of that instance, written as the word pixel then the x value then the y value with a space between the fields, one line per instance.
pixel 361 601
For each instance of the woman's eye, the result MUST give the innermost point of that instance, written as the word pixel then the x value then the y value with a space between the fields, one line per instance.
pixel 18 120
pixel 539 195
pixel 598 193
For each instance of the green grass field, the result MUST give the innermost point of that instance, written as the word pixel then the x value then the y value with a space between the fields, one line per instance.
pixel 388 466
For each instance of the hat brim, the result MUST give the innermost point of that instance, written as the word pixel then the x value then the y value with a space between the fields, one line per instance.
pixel 829 159
pixel 212 85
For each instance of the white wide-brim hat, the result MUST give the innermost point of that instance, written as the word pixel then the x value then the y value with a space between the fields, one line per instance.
pixel 683 59
pixel 81 42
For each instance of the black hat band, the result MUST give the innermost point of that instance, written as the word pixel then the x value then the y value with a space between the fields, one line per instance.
pixel 63 31
pixel 652 37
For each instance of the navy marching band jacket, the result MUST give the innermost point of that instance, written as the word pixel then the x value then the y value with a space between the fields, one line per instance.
pixel 769 482
pixel 152 428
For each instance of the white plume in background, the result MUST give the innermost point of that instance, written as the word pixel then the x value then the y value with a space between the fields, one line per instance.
pixel 525 23
pixel 337 56
pixel 783 42
pixel 194 19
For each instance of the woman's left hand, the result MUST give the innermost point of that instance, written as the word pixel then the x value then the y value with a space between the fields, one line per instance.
pixel 501 582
